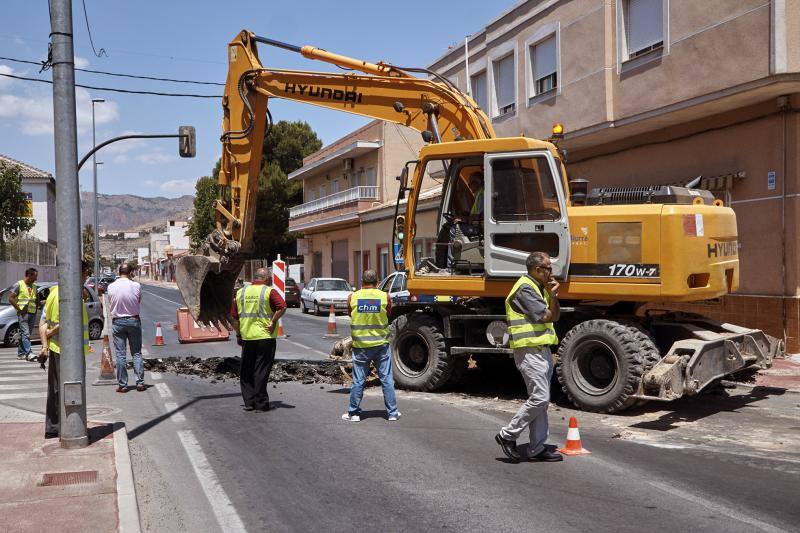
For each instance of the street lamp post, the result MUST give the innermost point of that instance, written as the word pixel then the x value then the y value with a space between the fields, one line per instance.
pixel 96 217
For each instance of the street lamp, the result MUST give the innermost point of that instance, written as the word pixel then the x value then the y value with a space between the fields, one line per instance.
pixel 96 218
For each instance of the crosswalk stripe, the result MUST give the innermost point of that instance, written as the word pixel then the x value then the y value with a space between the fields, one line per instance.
pixel 18 367
pixel 40 377
pixel 22 386
pixel 32 370
pixel 23 396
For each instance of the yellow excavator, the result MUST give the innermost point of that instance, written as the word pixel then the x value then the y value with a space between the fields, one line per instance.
pixel 614 249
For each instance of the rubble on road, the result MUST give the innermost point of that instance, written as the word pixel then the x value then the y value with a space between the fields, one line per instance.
pixel 222 368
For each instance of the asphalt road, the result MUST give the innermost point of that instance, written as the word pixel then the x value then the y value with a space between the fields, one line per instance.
pixel 304 333
pixel 728 461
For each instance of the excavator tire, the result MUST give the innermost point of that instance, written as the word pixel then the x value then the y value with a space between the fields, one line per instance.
pixel 419 354
pixel 601 363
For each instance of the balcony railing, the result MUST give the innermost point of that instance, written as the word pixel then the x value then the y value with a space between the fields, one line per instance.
pixel 336 199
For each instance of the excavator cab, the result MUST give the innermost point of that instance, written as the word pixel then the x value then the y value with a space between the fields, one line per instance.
pixel 497 207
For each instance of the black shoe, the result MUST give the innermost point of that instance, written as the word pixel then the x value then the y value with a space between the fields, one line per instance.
pixel 509 447
pixel 248 408
pixel 547 456
pixel 50 435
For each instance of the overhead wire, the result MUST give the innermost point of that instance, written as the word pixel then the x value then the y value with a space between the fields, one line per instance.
pixel 117 74
pixel 116 90
pixel 102 51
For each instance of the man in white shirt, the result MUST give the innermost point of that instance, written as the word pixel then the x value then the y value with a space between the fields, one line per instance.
pixel 125 297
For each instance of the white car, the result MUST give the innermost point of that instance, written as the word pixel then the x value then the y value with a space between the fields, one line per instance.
pixel 320 293
pixel 395 286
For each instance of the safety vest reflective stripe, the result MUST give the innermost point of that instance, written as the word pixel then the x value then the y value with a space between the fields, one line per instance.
pixel 254 314
pixel 26 296
pixel 370 321
pixel 523 332
pixel 477 203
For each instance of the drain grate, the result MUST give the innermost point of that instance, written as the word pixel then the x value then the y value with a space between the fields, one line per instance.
pixel 54 479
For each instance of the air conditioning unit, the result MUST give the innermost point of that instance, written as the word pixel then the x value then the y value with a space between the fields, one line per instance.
pixel 348 164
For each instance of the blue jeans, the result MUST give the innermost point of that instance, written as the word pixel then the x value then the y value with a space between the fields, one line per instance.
pixel 27 322
pixel 382 359
pixel 128 330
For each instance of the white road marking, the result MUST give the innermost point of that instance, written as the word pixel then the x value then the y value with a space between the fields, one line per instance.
pixel 155 375
pixel 165 299
pixel 303 346
pixel 42 374
pixel 163 390
pixel 176 415
pixel 227 517
pixel 32 370
pixel 22 386
pixel 19 367
pixel 22 396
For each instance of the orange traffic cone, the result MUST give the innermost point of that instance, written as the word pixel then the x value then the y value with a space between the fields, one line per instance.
pixel 573 445
pixel 106 366
pixel 159 336
pixel 281 334
pixel 332 334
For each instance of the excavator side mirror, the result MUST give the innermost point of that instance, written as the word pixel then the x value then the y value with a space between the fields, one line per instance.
pixel 403 179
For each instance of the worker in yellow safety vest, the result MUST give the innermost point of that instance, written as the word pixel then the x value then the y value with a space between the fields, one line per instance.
pixel 531 309
pixel 369 310
pixel 256 311
pixel 51 350
pixel 24 298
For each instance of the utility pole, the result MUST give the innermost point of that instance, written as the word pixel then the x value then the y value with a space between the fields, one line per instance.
pixel 96 218
pixel 72 364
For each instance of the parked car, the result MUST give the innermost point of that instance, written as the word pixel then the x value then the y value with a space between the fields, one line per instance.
pixel 9 323
pixel 292 293
pixel 395 285
pixel 320 293
pixel 102 285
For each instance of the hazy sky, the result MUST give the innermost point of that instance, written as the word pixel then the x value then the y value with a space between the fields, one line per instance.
pixel 187 40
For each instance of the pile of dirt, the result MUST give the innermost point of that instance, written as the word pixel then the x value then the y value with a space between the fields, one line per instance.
pixel 222 368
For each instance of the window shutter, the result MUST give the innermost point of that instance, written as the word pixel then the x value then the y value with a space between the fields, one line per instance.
pixel 544 58
pixel 479 89
pixel 644 24
pixel 504 81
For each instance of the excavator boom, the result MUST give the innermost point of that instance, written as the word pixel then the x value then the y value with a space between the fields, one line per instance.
pixel 434 107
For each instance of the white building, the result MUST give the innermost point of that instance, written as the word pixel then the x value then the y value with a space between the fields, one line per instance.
pixel 176 230
pixel 40 187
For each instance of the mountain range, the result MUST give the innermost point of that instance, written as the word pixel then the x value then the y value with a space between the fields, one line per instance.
pixel 128 212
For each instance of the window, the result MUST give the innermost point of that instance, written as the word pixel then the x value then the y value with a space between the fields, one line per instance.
pixel 419 250
pixel 503 72
pixel 478 86
pixel 399 283
pixel 544 65
pixel 322 191
pixel 386 284
pixel 523 190
pixel 310 193
pixel 335 186
pixel 383 261
pixel 644 26
pixel 371 179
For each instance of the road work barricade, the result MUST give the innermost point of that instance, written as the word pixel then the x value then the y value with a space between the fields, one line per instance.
pixel 190 331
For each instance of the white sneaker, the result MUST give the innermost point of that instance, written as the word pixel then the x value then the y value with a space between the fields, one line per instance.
pixel 32 357
pixel 395 418
pixel 351 418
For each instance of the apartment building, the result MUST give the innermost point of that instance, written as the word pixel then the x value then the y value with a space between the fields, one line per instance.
pixel 663 92
pixel 349 194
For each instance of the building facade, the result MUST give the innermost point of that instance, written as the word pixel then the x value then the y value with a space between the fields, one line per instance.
pixel 40 188
pixel 349 193
pixel 661 92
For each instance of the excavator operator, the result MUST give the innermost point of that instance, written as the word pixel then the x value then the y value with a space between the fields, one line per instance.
pixel 467 224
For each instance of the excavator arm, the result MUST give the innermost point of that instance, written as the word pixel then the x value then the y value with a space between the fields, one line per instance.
pixel 433 107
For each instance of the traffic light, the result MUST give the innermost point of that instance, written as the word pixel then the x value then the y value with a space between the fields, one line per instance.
pixel 186 142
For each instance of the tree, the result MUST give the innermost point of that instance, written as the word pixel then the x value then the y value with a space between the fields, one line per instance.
pixel 202 223
pixel 283 152
pixel 88 246
pixel 15 215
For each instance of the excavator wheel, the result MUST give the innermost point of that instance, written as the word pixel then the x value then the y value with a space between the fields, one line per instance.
pixel 419 353
pixel 601 363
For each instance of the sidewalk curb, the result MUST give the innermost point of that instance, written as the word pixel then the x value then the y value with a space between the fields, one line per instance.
pixel 127 506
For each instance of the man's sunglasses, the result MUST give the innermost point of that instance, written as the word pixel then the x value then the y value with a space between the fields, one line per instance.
pixel 548 268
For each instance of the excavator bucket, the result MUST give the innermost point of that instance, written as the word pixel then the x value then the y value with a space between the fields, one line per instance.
pixel 206 285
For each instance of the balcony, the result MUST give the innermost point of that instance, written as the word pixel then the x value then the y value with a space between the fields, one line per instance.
pixel 337 207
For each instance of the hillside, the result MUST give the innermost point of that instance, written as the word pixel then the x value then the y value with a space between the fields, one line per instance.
pixel 128 212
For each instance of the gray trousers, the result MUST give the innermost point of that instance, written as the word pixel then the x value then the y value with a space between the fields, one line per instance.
pixel 536 366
